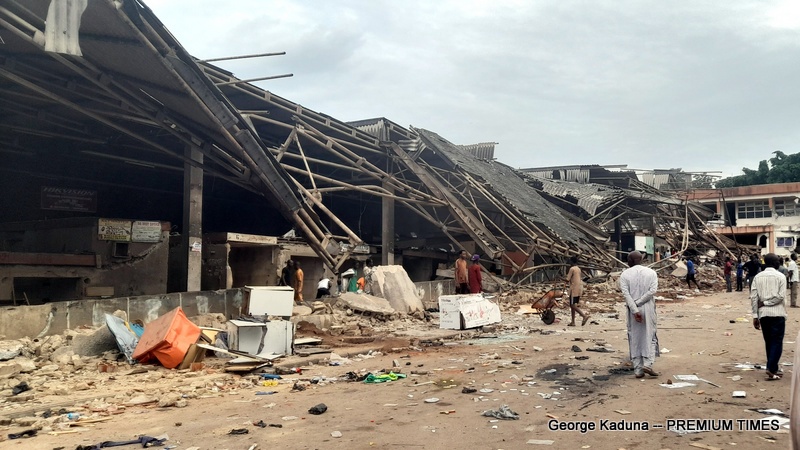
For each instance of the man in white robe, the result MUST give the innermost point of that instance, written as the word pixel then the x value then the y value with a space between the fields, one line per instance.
pixel 638 285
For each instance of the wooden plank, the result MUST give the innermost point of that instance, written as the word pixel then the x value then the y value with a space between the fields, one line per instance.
pixel 234 354
pixel 47 259
pixel 704 446
pixel 307 340
pixel 312 351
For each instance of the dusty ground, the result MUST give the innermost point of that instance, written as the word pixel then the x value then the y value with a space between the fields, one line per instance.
pixel 697 332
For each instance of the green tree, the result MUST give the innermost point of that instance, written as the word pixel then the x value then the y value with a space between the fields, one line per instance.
pixel 781 168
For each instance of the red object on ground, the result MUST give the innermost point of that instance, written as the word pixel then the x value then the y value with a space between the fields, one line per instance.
pixel 167 339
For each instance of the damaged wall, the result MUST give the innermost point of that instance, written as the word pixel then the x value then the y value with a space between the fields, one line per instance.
pixel 54 318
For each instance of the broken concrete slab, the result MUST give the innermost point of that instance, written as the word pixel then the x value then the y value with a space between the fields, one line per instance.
pixel 367 303
pixel 94 342
pixel 394 284
pixel 10 349
pixel 301 310
pixel 9 369
pixel 62 355
pixel 321 321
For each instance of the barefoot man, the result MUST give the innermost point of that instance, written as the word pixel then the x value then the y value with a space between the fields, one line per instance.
pixel 638 285
pixel 575 291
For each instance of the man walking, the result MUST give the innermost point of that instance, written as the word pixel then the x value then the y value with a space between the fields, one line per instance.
pixel 690 274
pixel 794 278
pixel 767 293
pixel 575 290
pixel 639 285
pixel 462 278
pixel 727 272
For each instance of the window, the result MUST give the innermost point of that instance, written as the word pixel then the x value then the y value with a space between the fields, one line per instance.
pixel 786 242
pixel 786 208
pixel 753 210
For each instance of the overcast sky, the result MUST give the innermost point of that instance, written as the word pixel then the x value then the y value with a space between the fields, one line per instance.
pixel 702 85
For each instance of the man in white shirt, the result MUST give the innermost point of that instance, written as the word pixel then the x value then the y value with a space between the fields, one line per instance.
pixel 794 278
pixel 324 287
pixel 767 294
pixel 639 285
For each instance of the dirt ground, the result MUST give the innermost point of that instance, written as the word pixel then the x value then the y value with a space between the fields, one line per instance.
pixel 519 365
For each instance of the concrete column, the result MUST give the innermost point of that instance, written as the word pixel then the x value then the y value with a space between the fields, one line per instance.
pixel 193 219
pixel 387 234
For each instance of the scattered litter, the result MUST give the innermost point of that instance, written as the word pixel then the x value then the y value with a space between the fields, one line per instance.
pixel 289 418
pixel 772 411
pixel 739 394
pixel 276 425
pixel 736 378
pixel 468 390
pixel 693 378
pixel 237 431
pixel 431 400
pixel 383 378
pixel 449 411
pixel 678 385
pixel 336 434
pixel 20 388
pixel 599 350
pixel 260 424
pixel 486 391
pixel 318 409
pixel 665 350
pixel 540 442
pixel 504 413
pixel 622 411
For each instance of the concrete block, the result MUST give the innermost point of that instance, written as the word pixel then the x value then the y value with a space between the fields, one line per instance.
pixel 366 303
pixel 394 284
pixel 9 369
pixel 62 355
pixel 321 321
pixel 10 349
pixel 94 343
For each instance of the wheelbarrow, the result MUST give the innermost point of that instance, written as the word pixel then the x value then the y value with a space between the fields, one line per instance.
pixel 544 306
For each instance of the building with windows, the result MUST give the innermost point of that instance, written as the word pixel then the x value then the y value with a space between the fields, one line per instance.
pixel 766 215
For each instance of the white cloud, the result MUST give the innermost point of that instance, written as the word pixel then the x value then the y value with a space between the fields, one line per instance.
pixel 699 85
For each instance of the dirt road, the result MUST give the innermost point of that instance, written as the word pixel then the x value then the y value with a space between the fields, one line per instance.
pixel 529 366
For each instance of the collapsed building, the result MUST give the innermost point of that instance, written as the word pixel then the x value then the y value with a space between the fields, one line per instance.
pixel 132 168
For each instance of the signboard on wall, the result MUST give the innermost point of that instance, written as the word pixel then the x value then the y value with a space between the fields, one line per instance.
pixel 68 199
pixel 146 231
pixel 114 230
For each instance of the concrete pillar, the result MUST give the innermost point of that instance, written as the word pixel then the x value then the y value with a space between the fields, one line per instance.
pixel 192 242
pixel 387 234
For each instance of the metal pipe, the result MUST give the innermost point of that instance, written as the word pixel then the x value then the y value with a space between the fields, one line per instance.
pixel 227 58
pixel 249 80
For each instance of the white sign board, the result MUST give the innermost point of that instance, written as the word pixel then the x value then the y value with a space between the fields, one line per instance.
pixel 146 231
pixel 470 310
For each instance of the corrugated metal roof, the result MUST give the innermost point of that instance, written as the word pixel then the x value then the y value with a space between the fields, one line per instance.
pixel 509 185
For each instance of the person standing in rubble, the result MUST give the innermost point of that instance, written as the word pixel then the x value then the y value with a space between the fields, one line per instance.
pixel 690 273
pixel 767 295
pixel 739 274
pixel 287 274
pixel 726 271
pixel 475 275
pixel 794 278
pixel 752 268
pixel 462 275
pixel 639 285
pixel 575 290
pixel 298 283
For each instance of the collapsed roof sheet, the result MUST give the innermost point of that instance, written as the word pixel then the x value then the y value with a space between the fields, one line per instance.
pixel 509 184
